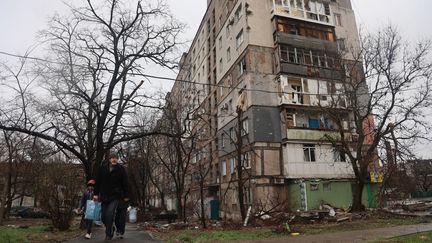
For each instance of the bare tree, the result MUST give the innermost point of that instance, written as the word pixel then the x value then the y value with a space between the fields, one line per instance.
pixel 385 100
pixel 175 152
pixel 89 77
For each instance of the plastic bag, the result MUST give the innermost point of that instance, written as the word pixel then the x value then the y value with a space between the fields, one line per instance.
pixel 93 210
pixel 132 215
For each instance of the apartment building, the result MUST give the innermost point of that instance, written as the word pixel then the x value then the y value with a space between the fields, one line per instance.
pixel 276 63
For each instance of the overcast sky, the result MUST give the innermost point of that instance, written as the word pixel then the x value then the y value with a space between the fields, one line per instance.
pixel 21 19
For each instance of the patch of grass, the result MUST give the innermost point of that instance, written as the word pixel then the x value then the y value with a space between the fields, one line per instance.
pixel 224 236
pixel 12 235
pixel 36 233
pixel 357 225
pixel 414 238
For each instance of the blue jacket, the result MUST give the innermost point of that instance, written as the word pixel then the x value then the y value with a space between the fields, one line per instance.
pixel 86 196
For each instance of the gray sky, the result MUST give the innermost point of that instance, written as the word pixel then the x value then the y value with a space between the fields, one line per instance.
pixel 21 19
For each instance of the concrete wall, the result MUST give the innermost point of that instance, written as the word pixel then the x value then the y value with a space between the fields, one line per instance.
pixel 338 193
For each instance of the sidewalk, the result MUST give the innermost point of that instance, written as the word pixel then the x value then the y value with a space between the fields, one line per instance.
pixel 358 236
pixel 132 235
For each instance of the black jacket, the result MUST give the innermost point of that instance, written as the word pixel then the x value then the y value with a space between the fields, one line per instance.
pixel 112 185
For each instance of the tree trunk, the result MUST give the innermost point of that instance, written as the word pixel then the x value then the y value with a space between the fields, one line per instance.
pixel 3 201
pixel 179 205
pixel 357 205
pixel 203 217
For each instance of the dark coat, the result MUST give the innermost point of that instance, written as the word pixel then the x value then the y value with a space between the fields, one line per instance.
pixel 112 185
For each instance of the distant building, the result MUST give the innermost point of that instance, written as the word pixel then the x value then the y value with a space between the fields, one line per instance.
pixel 280 60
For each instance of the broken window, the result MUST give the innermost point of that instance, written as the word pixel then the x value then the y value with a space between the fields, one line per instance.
pixel 242 66
pixel 239 12
pixel 239 38
pixel 245 126
pixel 309 153
pixel 246 160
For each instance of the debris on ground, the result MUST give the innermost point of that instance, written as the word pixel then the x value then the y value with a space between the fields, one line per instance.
pixel 410 208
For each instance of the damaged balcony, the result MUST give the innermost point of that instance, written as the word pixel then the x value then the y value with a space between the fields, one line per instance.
pixel 315 125
pixel 311 92
pixel 317 11
pixel 302 61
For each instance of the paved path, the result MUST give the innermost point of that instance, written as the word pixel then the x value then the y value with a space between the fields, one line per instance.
pixel 132 235
pixel 359 236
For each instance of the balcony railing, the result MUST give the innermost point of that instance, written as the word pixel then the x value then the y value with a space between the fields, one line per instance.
pixel 315 134
pixel 316 100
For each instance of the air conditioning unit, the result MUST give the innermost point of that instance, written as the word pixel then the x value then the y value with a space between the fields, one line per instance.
pixel 279 181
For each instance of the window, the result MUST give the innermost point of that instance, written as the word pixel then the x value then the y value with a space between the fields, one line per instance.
pixel 220 42
pixel 233 135
pixel 245 126
pixel 223 140
pixel 220 65
pixel 338 19
pixel 326 186
pixel 239 12
pixel 239 38
pixel 224 168
pixel 246 160
pixel 314 187
pixel 341 44
pixel 233 165
pixel 309 153
pixel 247 195
pixel 242 66
pixel 338 155
pixel 228 54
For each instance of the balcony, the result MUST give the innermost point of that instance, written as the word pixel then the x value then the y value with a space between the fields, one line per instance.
pixel 306 42
pixel 302 134
pixel 312 93
pixel 316 11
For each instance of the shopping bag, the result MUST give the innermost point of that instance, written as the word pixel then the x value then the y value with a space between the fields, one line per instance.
pixel 93 210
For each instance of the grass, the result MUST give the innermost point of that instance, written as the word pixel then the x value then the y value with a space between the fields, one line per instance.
pixel 357 225
pixel 36 233
pixel 12 235
pixel 198 236
pixel 414 238
pixel 221 236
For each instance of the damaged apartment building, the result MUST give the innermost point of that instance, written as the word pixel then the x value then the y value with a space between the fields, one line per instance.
pixel 277 61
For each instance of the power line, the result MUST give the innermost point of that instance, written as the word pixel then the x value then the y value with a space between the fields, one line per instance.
pixel 188 81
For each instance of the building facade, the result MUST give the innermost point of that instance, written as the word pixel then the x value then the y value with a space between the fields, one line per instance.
pixel 268 69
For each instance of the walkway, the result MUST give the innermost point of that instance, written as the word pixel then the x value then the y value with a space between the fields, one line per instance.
pixel 359 236
pixel 132 236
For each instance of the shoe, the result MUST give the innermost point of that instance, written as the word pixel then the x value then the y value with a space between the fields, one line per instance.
pixel 87 236
pixel 108 238
pixel 120 235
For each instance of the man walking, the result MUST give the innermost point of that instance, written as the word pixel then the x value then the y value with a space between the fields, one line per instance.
pixel 112 190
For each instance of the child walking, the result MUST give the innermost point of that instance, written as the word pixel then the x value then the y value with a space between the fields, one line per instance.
pixel 87 195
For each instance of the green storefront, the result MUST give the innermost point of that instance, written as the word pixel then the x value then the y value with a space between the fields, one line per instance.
pixel 308 194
